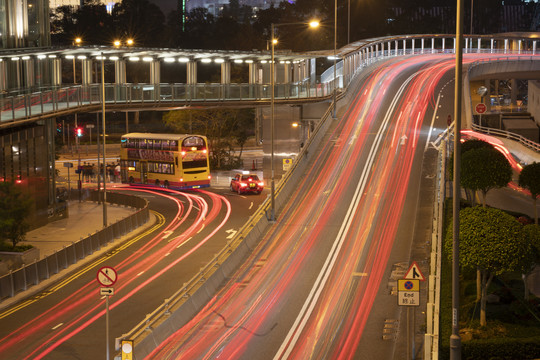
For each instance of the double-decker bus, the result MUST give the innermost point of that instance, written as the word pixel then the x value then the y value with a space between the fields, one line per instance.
pixel 165 160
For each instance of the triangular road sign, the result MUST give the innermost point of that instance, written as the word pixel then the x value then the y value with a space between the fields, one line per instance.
pixel 414 273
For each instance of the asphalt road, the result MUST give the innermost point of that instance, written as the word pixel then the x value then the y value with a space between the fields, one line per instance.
pixel 69 322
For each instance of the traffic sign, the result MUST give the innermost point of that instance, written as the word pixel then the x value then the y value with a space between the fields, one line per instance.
pixel 106 291
pixel 127 349
pixel 480 108
pixel 408 292
pixel 107 276
pixel 414 273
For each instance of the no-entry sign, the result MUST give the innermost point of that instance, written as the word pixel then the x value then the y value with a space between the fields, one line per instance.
pixel 480 108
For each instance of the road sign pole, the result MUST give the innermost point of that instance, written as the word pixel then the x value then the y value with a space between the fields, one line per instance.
pixel 107 324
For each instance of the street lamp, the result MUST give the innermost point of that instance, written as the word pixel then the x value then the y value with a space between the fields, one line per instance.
pixel 335 45
pixel 312 24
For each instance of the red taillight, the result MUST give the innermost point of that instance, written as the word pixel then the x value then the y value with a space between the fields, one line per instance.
pixel 181 180
pixel 209 177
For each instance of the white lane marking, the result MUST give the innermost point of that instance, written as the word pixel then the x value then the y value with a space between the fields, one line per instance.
pixel 432 122
pixel 231 233
pixel 57 326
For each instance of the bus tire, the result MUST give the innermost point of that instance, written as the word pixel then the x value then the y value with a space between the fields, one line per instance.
pixel 131 180
pixel 166 184
pixel 239 191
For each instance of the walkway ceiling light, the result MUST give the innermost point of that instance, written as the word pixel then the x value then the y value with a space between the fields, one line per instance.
pixel 101 57
pixel 133 58
pixel 81 57
pixel 219 61
pixel 148 58
pixel 41 56
pixel 70 57
pixel 113 58
pixel 264 61
pixel 183 60
pixel 206 60
pixel 249 61
pixel 238 61
pixel 169 60
pixel 52 56
pixel 26 57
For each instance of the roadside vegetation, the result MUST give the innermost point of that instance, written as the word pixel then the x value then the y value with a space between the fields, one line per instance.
pixel 15 206
pixel 499 316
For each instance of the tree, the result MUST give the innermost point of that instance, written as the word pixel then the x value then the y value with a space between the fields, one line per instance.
pixel 529 178
pixel 484 169
pixel 225 129
pixel 531 233
pixel 15 207
pixel 492 241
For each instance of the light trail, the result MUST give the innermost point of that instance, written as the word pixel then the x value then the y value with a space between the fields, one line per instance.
pixel 79 310
pixel 251 306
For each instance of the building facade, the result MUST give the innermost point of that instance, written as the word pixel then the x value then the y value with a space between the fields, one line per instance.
pixel 24 23
pixel 215 7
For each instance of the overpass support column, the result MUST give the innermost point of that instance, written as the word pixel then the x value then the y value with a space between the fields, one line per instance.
pixel 226 72
pixel 191 72
pixel 86 71
pixel 155 73
pixel 29 78
pixel 120 72
pixel 505 46
pixel 3 76
pixel 443 44
pixel 56 79
pixel 479 44
pixel 225 78
pixel 404 46
pixel 514 92
pixel 534 47
pixel 252 73
pixel 491 48
pixel 412 47
pixel 422 45
pixel 432 45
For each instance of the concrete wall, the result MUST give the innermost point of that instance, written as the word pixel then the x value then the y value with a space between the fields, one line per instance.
pixel 534 100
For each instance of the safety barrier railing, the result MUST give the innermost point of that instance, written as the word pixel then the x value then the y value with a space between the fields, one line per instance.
pixel 431 337
pixel 32 274
pixel 508 135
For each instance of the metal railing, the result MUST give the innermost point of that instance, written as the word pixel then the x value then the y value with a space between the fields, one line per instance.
pixel 51 101
pixel 32 274
pixel 508 135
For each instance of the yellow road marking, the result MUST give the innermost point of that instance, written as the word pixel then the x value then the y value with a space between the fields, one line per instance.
pixel 107 256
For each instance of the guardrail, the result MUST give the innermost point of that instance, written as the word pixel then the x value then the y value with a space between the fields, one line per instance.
pixel 32 274
pixel 431 337
pixel 508 135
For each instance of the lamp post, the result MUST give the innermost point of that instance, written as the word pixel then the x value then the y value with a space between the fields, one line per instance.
pixel 312 24
pixel 103 132
pixel 335 51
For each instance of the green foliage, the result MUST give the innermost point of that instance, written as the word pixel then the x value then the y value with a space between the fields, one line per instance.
pixel 531 233
pixel 501 349
pixel 491 240
pixel 15 206
pixel 466 146
pixel 225 128
pixel 484 169
pixel 529 178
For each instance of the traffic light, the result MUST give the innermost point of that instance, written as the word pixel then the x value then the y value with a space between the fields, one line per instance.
pixel 79 131
pixel 59 127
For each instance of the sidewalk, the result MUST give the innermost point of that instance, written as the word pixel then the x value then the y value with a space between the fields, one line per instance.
pixel 84 219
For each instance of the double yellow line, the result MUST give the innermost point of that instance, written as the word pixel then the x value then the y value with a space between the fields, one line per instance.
pixel 160 222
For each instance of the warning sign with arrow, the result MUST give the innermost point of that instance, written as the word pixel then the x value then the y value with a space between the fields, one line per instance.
pixel 414 273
